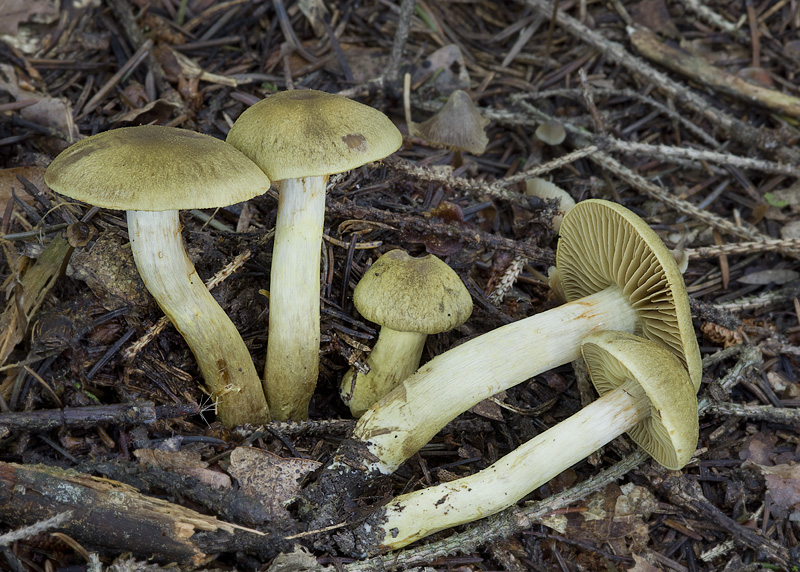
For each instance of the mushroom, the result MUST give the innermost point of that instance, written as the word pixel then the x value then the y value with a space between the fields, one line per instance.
pixel 457 126
pixel 151 172
pixel 410 298
pixel 299 138
pixel 644 391
pixel 551 132
pixel 616 275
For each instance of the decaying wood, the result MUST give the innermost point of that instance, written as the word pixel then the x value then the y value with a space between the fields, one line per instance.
pixel 108 515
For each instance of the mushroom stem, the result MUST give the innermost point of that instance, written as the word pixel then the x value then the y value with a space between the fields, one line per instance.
pixel 402 422
pixel 292 364
pixel 395 357
pixel 221 354
pixel 415 515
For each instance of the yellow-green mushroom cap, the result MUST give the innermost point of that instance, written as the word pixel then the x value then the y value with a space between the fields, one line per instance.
pixel 603 244
pixel 412 294
pixel 155 168
pixel 670 434
pixel 308 133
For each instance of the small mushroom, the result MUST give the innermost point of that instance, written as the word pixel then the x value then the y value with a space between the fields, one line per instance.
pixel 457 126
pixel 151 172
pixel 410 298
pixel 299 138
pixel 616 274
pixel 551 132
pixel 644 391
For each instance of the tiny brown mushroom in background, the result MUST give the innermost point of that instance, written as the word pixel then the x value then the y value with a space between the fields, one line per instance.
pixel 457 126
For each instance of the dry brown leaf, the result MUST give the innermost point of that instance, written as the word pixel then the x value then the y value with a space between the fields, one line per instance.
pixel 759 449
pixel 448 63
pixel 653 14
pixel 642 565
pixel 184 463
pixel 9 182
pixel 783 482
pixel 268 479
pixel 47 111
pixel 14 12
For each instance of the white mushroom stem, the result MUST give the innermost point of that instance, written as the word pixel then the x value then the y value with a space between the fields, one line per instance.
pixel 395 357
pixel 290 375
pixel 415 515
pixel 399 424
pixel 221 354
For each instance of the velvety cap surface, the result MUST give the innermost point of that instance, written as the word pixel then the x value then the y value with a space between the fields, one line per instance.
pixel 154 168
pixel 308 133
pixel 411 294
pixel 603 244
pixel 670 434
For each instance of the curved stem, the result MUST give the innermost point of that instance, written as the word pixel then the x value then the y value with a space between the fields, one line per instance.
pixel 399 424
pixel 395 357
pixel 221 354
pixel 415 515
pixel 290 375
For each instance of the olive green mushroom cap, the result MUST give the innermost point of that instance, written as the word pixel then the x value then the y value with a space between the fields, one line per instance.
pixel 457 126
pixel 308 133
pixel 670 434
pixel 603 244
pixel 155 168
pixel 411 294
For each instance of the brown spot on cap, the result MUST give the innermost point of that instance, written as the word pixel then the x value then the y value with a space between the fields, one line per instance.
pixel 356 142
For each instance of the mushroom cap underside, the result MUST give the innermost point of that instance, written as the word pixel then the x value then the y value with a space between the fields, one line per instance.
pixel 670 433
pixel 411 294
pixel 602 245
pixel 309 133
pixel 155 168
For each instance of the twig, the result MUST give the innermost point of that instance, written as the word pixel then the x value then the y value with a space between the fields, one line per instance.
pixel 129 353
pixel 38 528
pixel 767 245
pixel 736 129
pixel 710 17
pixel 137 58
pixel 769 413
pixel 399 42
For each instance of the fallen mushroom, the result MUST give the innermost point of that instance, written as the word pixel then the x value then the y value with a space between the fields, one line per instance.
pixel 410 298
pixel 151 172
pixel 644 391
pixel 299 138
pixel 457 126
pixel 616 275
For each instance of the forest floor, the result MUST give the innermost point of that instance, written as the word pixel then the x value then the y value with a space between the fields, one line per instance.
pixel 687 112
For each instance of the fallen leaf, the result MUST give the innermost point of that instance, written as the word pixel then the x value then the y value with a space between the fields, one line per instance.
pixel 446 66
pixel 642 565
pixel 759 449
pixel 47 111
pixel 268 479
pixel 783 482
pixel 9 182
pixel 653 14
pixel 184 463
pixel 14 12
pixel 764 277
